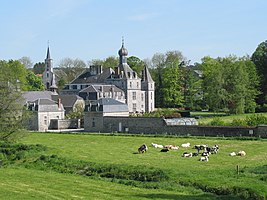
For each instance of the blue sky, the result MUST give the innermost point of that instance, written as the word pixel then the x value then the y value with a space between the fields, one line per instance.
pixel 93 29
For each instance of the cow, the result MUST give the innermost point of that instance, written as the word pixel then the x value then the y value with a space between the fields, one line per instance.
pixel 142 149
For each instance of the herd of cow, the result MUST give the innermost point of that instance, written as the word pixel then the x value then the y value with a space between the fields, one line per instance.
pixel 202 149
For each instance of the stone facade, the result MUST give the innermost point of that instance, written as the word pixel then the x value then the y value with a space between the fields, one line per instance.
pixel 139 93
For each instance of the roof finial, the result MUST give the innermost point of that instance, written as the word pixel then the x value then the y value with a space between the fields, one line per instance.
pixel 122 41
pixel 48 43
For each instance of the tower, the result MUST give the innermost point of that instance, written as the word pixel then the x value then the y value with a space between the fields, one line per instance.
pixel 48 75
pixel 148 86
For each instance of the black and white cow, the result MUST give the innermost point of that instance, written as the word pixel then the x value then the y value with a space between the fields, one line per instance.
pixel 142 149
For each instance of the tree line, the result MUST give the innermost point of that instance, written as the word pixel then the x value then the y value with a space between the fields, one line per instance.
pixel 231 84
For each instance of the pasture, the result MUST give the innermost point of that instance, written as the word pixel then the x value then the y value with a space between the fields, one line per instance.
pixel 188 178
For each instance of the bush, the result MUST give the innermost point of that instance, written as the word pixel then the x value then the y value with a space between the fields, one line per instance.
pixel 256 119
pixel 217 122
pixel 239 122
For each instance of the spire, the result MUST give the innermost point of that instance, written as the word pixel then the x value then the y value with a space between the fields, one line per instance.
pixel 48 54
pixel 146 75
pixel 53 86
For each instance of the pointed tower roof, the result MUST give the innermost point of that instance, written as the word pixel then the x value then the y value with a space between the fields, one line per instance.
pixel 146 75
pixel 48 54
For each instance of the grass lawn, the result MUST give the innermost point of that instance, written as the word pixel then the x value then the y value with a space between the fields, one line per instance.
pixel 20 183
pixel 219 172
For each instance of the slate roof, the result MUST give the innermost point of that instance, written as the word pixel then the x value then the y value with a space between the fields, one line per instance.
pixel 99 87
pixel 46 105
pixel 109 105
pixel 87 77
pixel 146 75
pixel 68 100
pixel 34 95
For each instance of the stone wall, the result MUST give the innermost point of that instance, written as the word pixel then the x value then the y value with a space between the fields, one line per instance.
pixel 64 124
pixel 158 126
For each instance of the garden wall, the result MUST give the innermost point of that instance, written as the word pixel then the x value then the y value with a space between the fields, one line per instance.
pixel 158 126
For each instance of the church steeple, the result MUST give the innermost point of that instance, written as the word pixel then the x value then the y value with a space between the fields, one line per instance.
pixel 48 74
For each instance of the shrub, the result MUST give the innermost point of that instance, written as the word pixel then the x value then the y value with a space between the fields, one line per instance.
pixel 256 119
pixel 217 122
pixel 239 122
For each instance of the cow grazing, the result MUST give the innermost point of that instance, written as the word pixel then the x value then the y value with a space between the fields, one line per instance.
pixel 142 149
pixel 206 158
pixel 200 147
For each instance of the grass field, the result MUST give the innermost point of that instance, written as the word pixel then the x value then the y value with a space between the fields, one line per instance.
pixel 188 177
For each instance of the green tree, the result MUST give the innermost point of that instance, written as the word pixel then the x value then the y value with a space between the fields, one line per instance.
pixel 39 68
pixel 171 86
pixel 136 64
pixel 34 82
pixel 11 106
pixel 111 62
pixel 227 84
pixel 167 76
pixel 192 90
pixel 259 58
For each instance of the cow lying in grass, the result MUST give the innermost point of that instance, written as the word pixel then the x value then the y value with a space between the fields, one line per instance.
pixel 142 149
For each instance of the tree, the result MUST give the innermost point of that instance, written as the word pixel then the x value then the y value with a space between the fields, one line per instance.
pixel 39 68
pixel 192 90
pixel 34 82
pixel 136 64
pixel 167 76
pixel 11 107
pixel 111 62
pixel 259 58
pixel 227 84
pixel 171 86
pixel 26 61
pixel 72 68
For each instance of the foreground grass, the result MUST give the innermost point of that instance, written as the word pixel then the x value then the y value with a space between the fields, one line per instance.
pixel 219 175
pixel 20 183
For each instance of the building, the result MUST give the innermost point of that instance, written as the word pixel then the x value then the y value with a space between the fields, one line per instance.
pixel 139 93
pixel 42 112
pixel 49 78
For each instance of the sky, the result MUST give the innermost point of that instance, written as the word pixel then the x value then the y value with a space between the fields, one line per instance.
pixel 93 29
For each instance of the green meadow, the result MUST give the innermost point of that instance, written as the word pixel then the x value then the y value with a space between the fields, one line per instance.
pixel 93 166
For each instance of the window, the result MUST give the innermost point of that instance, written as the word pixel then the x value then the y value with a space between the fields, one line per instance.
pixel 134 95
pixel 130 84
pixel 74 87
pixel 142 97
pixel 151 96
pixel 137 85
pixel 134 107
